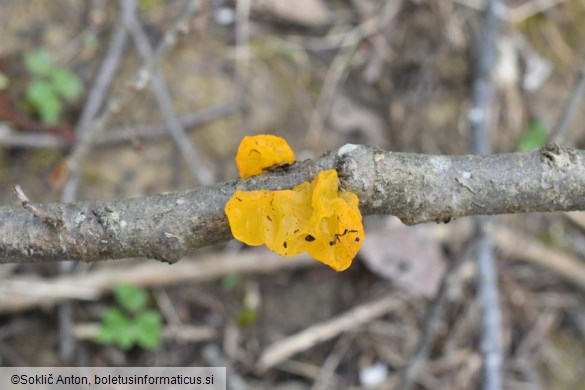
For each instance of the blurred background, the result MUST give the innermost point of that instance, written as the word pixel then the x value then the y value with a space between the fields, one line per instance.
pixel 394 74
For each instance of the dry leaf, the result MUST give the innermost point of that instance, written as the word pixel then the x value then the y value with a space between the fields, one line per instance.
pixel 410 256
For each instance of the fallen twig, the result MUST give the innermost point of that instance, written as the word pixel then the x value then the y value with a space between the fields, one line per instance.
pixel 316 334
pixel 187 333
pixel 432 325
pixel 95 100
pixel 570 108
pixel 118 135
pixel 487 289
pixel 141 79
pixel 21 293
pixel 522 247
pixel 176 129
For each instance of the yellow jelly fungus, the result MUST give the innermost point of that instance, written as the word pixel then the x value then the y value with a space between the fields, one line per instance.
pixel 313 217
pixel 260 152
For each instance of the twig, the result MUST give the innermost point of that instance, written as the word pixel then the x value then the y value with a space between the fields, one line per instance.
pixel 243 8
pixel 186 333
pixel 336 72
pixel 570 108
pixel 528 348
pixel 154 132
pixel 528 9
pixel 214 358
pixel 167 308
pixel 327 373
pixel 516 14
pixel 483 85
pixel 38 212
pixel 17 294
pixel 67 343
pixel 95 100
pixel 304 369
pixel 11 138
pixel 491 317
pixel 333 40
pixel 93 103
pixel 141 79
pixel 242 44
pixel 118 135
pixel 432 325
pixel 339 66
pixel 282 350
pixel 184 143
pixel 488 295
pixel 529 344
pixel 11 356
pixel 381 52
pixel 104 79
pixel 416 188
pixel 578 218
pixel 14 327
pixel 522 247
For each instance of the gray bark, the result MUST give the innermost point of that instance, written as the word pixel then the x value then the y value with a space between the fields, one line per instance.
pixel 417 188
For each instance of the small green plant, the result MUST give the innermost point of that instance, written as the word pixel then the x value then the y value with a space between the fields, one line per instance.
pixel 247 317
pixel 4 82
pixel 51 86
pixel 534 137
pixel 132 323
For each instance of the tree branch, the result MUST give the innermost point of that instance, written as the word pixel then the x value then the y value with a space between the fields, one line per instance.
pixel 417 188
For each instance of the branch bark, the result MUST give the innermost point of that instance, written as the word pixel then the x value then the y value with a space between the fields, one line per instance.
pixel 417 188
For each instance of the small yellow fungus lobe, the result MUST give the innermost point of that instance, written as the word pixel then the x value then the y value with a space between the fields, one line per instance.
pixel 260 152
pixel 313 217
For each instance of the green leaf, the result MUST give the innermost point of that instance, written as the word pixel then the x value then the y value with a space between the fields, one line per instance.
pixel 50 111
pixel 117 329
pixel 126 337
pixel 535 137
pixel 4 81
pixel 148 325
pixel 113 323
pixel 38 62
pixel 45 102
pixel 130 298
pixel 149 319
pixel 66 83
pixel 115 318
pixel 143 329
pixel 38 91
pixel 149 340
pixel 105 335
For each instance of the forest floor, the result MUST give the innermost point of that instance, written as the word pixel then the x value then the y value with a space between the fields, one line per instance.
pixel 396 75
